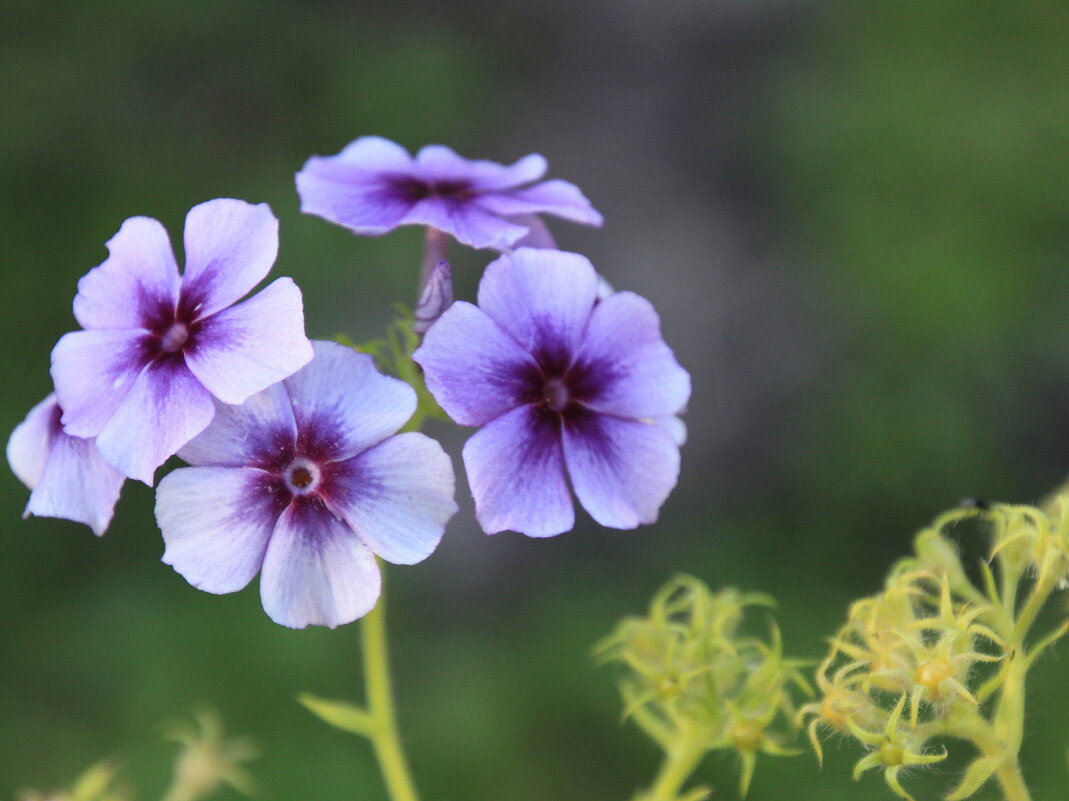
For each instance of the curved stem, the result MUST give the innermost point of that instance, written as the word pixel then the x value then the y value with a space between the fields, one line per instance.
pixel 679 763
pixel 384 734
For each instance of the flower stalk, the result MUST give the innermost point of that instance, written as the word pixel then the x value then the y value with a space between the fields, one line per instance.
pixel 383 731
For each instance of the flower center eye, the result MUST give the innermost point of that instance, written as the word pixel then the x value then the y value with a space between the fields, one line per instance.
pixel 175 337
pixel 555 394
pixel 302 476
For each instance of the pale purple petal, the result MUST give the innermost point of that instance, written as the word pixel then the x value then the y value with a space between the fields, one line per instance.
pixel 317 571
pixel 68 476
pixel 354 189
pixel 537 236
pixel 31 441
pixel 436 297
pixel 516 473
pixel 165 409
pixel 260 433
pixel 136 283
pixel 560 198
pixel 674 427
pixel 475 371
pixel 343 405
pixel 216 523
pixel 397 496
pixel 249 347
pixel 622 470
pixel 77 484
pixel 543 298
pixel 438 162
pixel 631 371
pixel 373 155
pixel 230 246
pixel 93 371
pixel 466 222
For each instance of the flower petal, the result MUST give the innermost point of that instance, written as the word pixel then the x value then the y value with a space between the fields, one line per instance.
pixel 466 222
pixel 317 571
pixel 165 409
pixel 343 405
pixel 543 298
pixel 537 236
pixel 559 198
pixel 216 523
pixel 77 484
pixel 247 348
pixel 438 162
pixel 93 371
pixel 136 283
pixel 353 188
pixel 31 441
pixel 397 496
pixel 631 371
pixel 475 371
pixel 261 433
pixel 516 473
pixel 230 246
pixel 622 470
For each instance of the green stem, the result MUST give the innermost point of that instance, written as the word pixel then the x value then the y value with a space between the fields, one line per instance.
pixel 1012 783
pixel 679 762
pixel 384 734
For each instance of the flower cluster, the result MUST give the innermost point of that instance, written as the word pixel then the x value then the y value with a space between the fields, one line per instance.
pixel 697 682
pixel 933 655
pixel 298 471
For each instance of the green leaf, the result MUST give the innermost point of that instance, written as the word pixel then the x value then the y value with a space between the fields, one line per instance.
pixel 340 714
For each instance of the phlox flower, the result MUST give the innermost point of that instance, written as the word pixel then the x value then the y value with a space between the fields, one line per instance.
pixel 67 475
pixel 374 185
pixel 305 483
pixel 159 348
pixel 561 382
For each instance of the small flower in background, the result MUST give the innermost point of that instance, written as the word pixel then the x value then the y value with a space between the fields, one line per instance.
pixel 208 760
pixel 306 482
pixel 436 297
pixel 67 475
pixel 695 681
pixel 374 186
pixel 98 783
pixel 158 347
pixel 560 381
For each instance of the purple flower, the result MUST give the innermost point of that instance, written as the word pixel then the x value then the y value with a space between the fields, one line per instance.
pixel 305 484
pixel 68 476
pixel 561 382
pixel 158 347
pixel 374 185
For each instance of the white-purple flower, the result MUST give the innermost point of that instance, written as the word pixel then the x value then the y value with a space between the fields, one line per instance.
pixel 67 475
pixel 562 383
pixel 158 348
pixel 305 483
pixel 374 185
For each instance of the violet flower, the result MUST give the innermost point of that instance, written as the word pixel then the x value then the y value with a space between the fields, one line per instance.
pixel 304 484
pixel 67 475
pixel 374 185
pixel 159 347
pixel 561 382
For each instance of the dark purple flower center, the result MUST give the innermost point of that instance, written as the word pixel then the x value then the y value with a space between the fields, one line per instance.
pixel 412 189
pixel 302 476
pixel 172 329
pixel 555 394
pixel 175 337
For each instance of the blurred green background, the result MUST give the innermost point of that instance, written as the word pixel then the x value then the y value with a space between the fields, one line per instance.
pixel 853 218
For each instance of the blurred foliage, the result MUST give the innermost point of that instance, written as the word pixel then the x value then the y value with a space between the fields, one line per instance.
pixel 913 157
